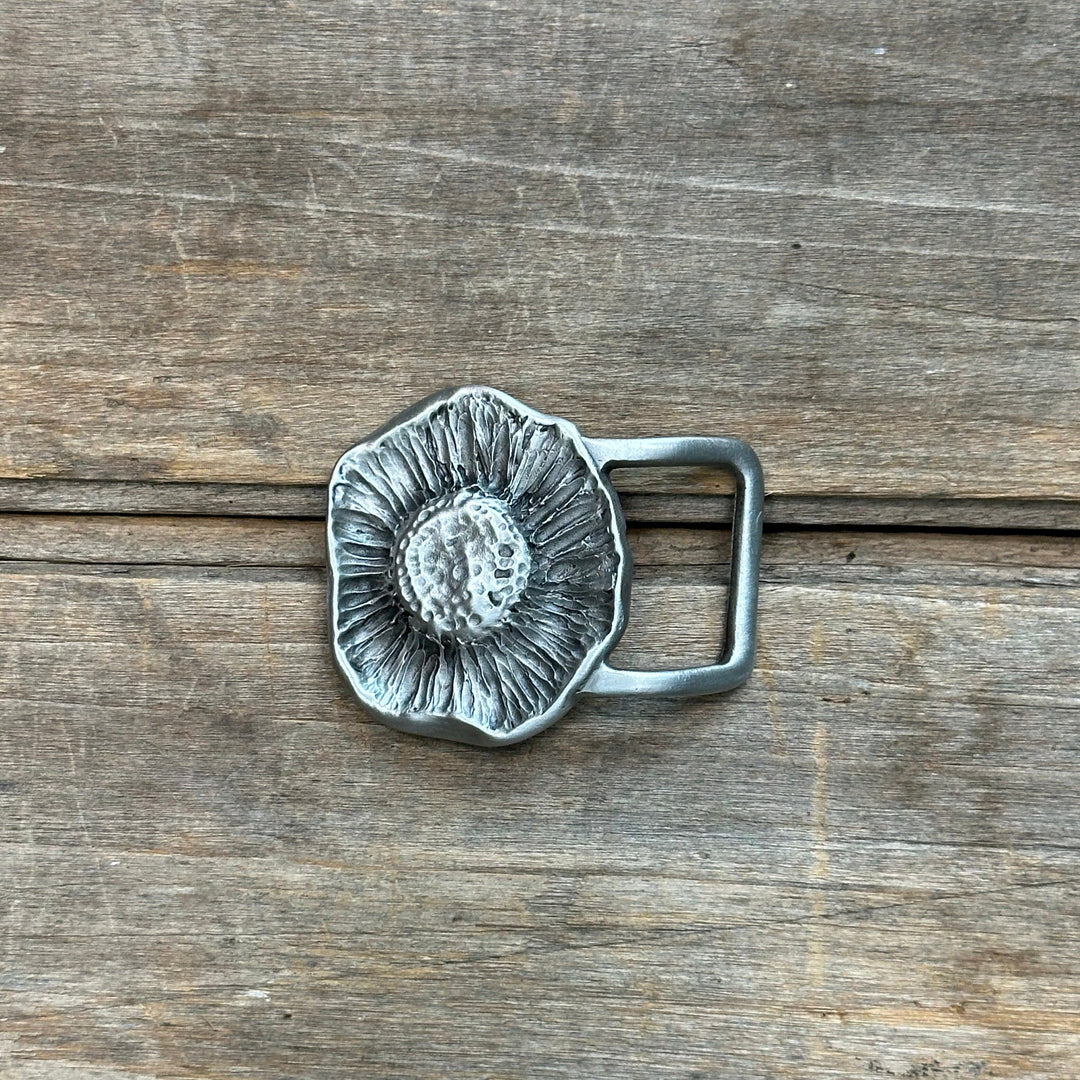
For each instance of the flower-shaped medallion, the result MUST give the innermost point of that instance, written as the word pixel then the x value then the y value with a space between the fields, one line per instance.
pixel 477 567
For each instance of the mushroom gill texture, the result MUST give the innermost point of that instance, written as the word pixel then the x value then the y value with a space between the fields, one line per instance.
pixel 476 563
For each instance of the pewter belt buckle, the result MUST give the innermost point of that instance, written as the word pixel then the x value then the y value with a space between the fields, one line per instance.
pixel 480 574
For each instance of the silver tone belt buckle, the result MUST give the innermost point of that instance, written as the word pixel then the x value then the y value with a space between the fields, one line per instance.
pixel 480 575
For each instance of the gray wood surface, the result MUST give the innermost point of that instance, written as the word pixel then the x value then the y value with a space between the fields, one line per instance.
pixel 235 237
pixel 240 236
pixel 863 862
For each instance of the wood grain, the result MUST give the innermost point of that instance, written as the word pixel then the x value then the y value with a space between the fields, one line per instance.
pixel 239 237
pixel 864 862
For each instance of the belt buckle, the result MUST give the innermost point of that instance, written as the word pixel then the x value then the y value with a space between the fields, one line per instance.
pixel 480 575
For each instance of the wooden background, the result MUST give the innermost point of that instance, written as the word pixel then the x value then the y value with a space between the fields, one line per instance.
pixel 235 237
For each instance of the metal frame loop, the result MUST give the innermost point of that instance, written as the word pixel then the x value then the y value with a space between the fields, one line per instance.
pixel 741 637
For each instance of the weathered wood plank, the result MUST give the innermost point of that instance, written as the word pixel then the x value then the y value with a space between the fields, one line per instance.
pixel 853 555
pixel 198 541
pixel 236 243
pixel 236 238
pixel 864 861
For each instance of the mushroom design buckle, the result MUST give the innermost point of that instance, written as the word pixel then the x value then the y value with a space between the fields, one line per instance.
pixel 480 575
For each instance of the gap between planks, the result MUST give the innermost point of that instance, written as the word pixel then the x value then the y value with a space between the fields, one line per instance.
pixel 120 497
pixel 676 553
